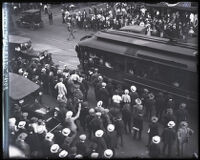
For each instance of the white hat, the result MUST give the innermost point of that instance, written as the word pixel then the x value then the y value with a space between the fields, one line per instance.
pixel 40 93
pixel 99 133
pixel 23 136
pixel 40 129
pixel 126 91
pixel 69 114
pixel 21 124
pixel 156 139
pixel 100 78
pixel 49 136
pixel 154 119
pixel 54 148
pixel 94 155
pixel 82 137
pixel 108 153
pixel 133 88
pixel 43 70
pixel 91 110
pixel 20 71
pixel 138 101
pixel 99 104
pixel 66 131
pixel 21 101
pixel 103 84
pixel 12 120
pixel 110 127
pixel 98 113
pixel 78 156
pixel 63 154
pixel 171 124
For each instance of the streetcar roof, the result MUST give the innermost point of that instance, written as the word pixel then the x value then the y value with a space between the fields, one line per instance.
pixel 146 42
pixel 18 39
pixel 134 28
pixel 20 87
pixel 140 52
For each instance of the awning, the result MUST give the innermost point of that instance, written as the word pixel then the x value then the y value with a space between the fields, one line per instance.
pixel 20 87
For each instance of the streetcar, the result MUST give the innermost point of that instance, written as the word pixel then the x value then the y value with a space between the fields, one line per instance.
pixel 147 62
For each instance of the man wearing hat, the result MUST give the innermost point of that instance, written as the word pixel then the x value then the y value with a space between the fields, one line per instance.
pixel 47 143
pixel 183 135
pixel 153 128
pixel 168 137
pixel 99 107
pixel 97 122
pixel 84 113
pixel 54 151
pixel 138 108
pixel 100 141
pixel 133 94
pixel 97 87
pixel 81 145
pixel 104 95
pixel 138 126
pixel 111 137
pixel 182 113
pixel 63 154
pixel 154 148
pixel 150 105
pixel 88 120
pixel 169 116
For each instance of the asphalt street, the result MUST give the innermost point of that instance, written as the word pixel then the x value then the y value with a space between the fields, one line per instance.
pixel 54 39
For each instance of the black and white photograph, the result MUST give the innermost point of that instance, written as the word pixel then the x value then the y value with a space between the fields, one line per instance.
pixel 105 80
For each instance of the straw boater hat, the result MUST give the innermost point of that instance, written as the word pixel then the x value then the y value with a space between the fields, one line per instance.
pixel 21 124
pixel 78 156
pixel 54 148
pixel 184 124
pixel 94 155
pixel 63 154
pixel 138 101
pixel 110 127
pixel 171 124
pixel 82 137
pixel 100 78
pixel 99 103
pixel 66 131
pixel 69 114
pixel 49 136
pixel 103 84
pixel 21 101
pixel 99 133
pixel 108 153
pixel 98 114
pixel 156 139
pixel 25 114
pixel 154 119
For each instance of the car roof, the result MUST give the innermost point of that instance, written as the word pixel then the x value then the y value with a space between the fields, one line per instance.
pixel 20 87
pixel 18 39
pixel 31 11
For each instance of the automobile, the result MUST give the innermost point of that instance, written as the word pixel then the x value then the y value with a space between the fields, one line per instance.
pixel 30 19
pixel 22 46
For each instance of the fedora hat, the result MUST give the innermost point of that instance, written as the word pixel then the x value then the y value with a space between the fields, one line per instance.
pixel 156 139
pixel 99 133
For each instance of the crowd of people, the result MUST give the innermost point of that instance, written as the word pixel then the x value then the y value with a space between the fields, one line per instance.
pixel 160 23
pixel 94 131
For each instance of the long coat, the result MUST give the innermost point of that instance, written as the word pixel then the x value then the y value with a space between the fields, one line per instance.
pixel 154 150
pixel 168 136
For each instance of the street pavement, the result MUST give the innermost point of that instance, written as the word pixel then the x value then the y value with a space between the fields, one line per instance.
pixel 54 39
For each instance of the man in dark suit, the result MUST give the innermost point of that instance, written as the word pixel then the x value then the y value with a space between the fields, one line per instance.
pixel 82 147
pixel 104 95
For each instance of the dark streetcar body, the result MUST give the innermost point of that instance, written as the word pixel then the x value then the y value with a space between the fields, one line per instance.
pixel 147 62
